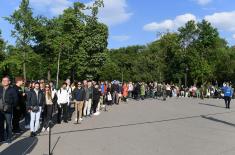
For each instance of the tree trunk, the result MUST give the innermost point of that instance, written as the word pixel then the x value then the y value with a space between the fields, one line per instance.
pixel 24 65
pixel 49 74
pixel 58 70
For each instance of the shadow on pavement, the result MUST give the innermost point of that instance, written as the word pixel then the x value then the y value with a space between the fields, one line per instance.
pixel 219 121
pixel 21 147
pixel 141 123
pixel 211 105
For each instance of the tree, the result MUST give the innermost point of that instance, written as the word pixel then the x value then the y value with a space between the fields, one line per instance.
pixel 23 22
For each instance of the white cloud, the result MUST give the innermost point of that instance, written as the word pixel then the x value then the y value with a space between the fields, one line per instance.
pixel 233 36
pixel 222 20
pixel 120 38
pixel 114 12
pixel 53 7
pixel 203 2
pixel 170 24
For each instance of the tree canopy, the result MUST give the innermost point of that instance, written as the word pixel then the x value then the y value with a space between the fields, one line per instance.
pixel 74 45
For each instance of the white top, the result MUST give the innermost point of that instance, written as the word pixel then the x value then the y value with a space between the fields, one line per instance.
pixel 130 87
pixel 63 96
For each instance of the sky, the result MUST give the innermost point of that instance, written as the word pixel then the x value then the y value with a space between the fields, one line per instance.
pixel 133 22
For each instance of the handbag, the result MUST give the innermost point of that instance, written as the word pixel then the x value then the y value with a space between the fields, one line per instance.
pixel 109 97
pixel 35 108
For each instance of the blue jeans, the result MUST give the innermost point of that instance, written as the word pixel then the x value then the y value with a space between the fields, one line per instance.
pixel 8 118
pixel 34 122
pixel 27 118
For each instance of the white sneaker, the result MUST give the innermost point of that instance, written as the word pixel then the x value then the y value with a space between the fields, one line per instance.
pixel 76 120
pixel 97 113
pixel 43 129
pixel 48 129
pixel 80 119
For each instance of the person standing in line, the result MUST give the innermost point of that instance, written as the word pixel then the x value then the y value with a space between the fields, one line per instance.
pixel 27 89
pixel 63 101
pixel 8 99
pixel 48 108
pixel 227 95
pixel 54 94
pixel 19 108
pixel 108 97
pixel 142 91
pixel 88 100
pixel 35 102
pixel 103 92
pixel 78 96
pixel 164 92
pixel 130 90
pixel 125 92
pixel 96 99
pixel 69 89
pixel 115 92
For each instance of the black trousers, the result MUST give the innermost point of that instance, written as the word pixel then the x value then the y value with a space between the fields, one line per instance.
pixel 16 119
pixel 227 100
pixel 47 115
pixel 94 106
pixel 64 109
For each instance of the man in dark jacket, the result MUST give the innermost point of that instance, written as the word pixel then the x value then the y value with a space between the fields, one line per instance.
pixel 115 91
pixel 78 96
pixel 96 99
pixel 19 108
pixel 35 102
pixel 8 99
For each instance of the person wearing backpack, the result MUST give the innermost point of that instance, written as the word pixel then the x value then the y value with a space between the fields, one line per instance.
pixel 63 102
pixel 78 96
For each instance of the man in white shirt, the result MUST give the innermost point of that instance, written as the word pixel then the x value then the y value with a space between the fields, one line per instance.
pixel 63 102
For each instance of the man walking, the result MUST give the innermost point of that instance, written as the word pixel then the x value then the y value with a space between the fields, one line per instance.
pixel 227 95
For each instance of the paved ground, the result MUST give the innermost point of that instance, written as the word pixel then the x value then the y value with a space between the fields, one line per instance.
pixel 150 127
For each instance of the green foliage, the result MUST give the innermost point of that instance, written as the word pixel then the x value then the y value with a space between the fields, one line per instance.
pixel 196 49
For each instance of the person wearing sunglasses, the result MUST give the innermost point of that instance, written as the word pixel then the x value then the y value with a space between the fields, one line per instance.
pixel 78 96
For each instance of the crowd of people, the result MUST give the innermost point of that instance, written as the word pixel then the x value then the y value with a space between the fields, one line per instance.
pixel 37 102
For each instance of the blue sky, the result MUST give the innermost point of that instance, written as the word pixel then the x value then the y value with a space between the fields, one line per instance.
pixel 134 22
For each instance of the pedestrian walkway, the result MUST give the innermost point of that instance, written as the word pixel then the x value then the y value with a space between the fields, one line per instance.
pixel 175 127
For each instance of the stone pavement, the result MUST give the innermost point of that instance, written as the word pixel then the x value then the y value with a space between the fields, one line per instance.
pixel 150 127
